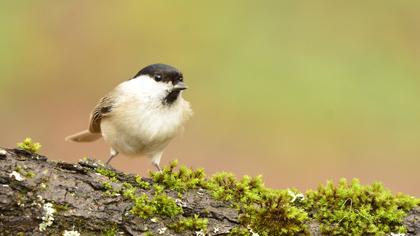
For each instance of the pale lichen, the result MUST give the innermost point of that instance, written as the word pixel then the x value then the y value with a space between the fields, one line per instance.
pixel 17 176
pixel 47 216
pixel 295 196
pixel 200 233
pixel 162 230
pixel 3 152
pixel 71 233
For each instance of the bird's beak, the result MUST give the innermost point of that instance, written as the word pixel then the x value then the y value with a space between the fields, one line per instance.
pixel 180 86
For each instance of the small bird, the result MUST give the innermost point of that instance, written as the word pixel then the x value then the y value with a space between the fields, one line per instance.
pixel 140 116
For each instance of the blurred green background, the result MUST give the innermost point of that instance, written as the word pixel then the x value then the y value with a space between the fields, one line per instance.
pixel 298 91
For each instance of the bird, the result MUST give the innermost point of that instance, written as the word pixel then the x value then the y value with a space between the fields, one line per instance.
pixel 140 116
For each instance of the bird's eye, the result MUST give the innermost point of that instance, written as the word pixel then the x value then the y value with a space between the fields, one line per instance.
pixel 158 78
pixel 181 79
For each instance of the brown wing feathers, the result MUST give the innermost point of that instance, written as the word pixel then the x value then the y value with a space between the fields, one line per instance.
pixel 101 110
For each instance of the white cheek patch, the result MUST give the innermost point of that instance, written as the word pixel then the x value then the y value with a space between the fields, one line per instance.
pixel 145 88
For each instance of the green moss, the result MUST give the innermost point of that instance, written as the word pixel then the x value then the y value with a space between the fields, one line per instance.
pixel 111 231
pixel 226 187
pixel 143 207
pixel 112 176
pixel 30 174
pixel 191 223
pixel 181 180
pixel 258 207
pixel 29 145
pixel 107 186
pixel 274 214
pixel 146 207
pixel 109 190
pixel 341 209
pixel 239 231
pixel 142 184
pixel 166 205
pixel 60 207
pixel 351 208
pixel 158 188
pixel 266 211
pixel 129 191
pixel 22 170
pixel 148 233
pixel 106 172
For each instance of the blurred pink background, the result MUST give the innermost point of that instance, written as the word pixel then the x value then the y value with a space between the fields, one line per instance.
pixel 300 92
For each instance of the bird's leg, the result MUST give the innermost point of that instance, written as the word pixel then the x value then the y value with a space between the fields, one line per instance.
pixel 156 160
pixel 157 167
pixel 113 154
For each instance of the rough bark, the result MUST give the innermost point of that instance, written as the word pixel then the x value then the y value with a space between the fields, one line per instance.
pixel 77 192
pixel 28 182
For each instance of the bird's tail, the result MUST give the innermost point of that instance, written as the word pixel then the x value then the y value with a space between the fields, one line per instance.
pixel 84 136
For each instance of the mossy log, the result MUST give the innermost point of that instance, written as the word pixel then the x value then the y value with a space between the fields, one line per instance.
pixel 41 197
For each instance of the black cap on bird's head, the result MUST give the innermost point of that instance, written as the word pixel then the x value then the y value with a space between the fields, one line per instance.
pixel 162 73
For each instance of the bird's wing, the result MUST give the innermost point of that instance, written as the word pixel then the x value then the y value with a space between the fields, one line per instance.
pixel 103 109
